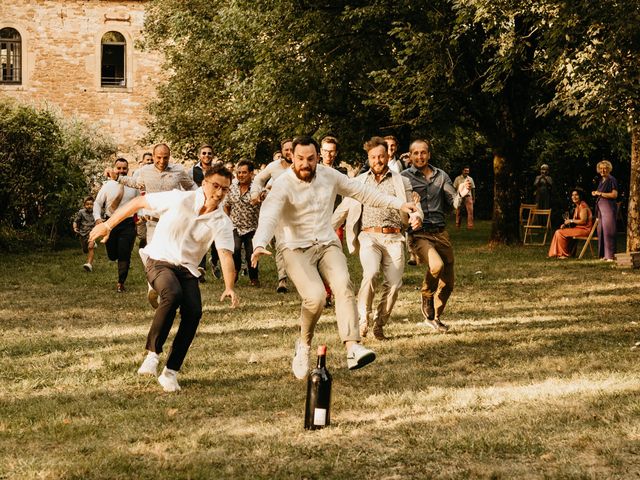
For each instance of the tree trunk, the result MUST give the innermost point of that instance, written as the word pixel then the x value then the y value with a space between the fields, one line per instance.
pixel 633 219
pixel 506 201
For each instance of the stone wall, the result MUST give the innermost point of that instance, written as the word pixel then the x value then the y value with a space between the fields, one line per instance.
pixel 61 63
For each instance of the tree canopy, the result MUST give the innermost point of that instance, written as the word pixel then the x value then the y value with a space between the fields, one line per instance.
pixel 509 79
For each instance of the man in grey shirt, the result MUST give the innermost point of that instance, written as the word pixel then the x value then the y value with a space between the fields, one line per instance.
pixel 161 176
pixel 431 242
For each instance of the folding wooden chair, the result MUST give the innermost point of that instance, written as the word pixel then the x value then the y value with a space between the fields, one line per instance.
pixel 523 215
pixel 534 225
pixel 588 239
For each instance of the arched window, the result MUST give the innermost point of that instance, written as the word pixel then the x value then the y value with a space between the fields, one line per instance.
pixel 113 63
pixel 10 56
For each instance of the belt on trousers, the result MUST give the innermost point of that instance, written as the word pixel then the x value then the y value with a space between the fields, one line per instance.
pixel 382 229
pixel 151 219
pixel 430 230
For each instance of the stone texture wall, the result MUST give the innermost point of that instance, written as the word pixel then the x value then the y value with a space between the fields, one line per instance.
pixel 61 57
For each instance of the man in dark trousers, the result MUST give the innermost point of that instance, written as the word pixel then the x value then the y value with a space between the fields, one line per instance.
pixel 188 223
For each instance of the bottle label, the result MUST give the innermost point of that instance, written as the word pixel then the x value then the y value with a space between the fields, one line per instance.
pixel 320 416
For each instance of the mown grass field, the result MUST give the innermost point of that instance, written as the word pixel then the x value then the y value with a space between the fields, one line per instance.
pixel 536 379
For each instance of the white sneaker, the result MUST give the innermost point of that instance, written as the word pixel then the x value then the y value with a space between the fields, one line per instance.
pixel 358 356
pixel 88 267
pixel 300 363
pixel 152 296
pixel 150 364
pixel 169 381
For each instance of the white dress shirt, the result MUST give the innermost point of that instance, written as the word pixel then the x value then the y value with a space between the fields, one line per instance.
pixel 395 165
pixel 271 172
pixel 107 193
pixel 303 210
pixel 182 236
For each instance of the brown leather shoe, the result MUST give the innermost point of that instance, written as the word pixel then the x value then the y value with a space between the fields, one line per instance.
pixel 437 325
pixel 442 327
pixel 428 310
pixel 378 333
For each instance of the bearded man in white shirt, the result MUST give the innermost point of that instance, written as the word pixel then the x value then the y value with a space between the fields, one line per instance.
pixel 189 222
pixel 299 206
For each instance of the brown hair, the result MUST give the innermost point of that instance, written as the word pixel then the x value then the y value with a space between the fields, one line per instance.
pixel 374 142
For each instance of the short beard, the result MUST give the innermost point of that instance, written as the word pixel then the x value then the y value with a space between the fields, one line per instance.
pixel 308 179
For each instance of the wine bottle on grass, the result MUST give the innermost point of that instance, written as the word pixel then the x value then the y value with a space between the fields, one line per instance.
pixel 318 403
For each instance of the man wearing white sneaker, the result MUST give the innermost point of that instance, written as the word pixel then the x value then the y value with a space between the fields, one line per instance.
pixel 161 176
pixel 300 206
pixel 189 222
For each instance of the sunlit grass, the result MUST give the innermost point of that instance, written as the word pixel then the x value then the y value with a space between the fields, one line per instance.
pixel 536 379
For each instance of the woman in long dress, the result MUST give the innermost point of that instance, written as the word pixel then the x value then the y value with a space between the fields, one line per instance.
pixel 606 210
pixel 563 245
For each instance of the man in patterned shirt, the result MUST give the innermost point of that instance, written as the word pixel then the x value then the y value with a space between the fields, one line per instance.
pixel 378 235
pixel 244 216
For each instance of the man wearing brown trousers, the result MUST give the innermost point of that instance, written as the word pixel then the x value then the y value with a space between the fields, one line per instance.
pixel 431 242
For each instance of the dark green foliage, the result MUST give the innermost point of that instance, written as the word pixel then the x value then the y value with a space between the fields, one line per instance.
pixel 45 171
pixel 482 79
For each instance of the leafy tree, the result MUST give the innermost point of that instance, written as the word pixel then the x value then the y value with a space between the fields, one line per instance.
pixel 45 166
pixel 596 68
pixel 464 73
pixel 472 63
pixel 244 74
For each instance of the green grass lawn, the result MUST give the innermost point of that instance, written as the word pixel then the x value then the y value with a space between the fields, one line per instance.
pixel 536 379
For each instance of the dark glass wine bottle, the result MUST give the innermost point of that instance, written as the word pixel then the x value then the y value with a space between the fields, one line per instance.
pixel 318 404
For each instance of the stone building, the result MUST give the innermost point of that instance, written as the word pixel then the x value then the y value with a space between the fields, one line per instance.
pixel 81 58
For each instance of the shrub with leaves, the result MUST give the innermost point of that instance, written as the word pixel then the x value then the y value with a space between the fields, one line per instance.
pixel 47 165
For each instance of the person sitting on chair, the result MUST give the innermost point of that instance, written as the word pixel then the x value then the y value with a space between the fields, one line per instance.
pixel 563 244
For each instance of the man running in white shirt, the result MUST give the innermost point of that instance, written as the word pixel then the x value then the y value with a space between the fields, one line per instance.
pixel 122 239
pixel 258 192
pixel 300 205
pixel 189 222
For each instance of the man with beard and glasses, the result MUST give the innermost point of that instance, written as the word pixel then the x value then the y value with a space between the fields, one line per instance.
pixel 299 206
pixel 259 191
pixel 377 234
pixel 329 157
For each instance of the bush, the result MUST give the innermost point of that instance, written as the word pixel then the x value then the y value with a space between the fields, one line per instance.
pixel 47 165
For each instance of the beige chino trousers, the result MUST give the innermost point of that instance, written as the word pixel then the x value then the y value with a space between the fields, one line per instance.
pixel 380 251
pixel 307 268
